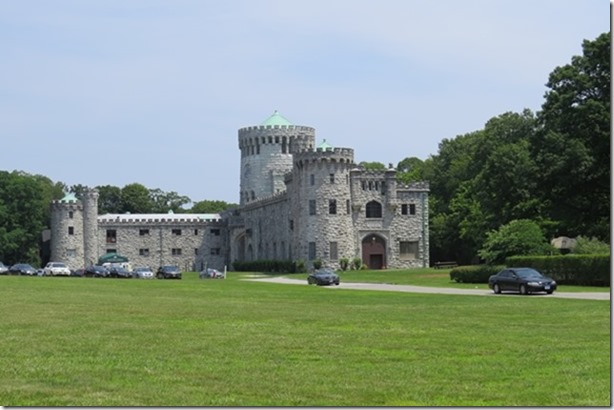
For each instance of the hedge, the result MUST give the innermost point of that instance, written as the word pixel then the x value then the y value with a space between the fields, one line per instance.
pixel 570 269
pixel 273 266
pixel 474 273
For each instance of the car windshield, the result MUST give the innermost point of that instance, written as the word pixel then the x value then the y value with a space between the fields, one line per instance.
pixel 528 273
pixel 58 265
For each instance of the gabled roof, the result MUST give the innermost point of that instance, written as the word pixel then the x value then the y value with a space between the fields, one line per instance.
pixel 276 119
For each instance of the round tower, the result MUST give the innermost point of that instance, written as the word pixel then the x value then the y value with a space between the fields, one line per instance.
pixel 321 204
pixel 67 231
pixel 266 155
pixel 90 227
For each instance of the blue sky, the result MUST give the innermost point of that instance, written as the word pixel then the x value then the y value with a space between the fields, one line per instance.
pixel 111 92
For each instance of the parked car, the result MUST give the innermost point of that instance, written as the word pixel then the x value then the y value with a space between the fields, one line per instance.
pixel 56 269
pixel 142 272
pixel 22 269
pixel 96 271
pixel 77 272
pixel 168 272
pixel 523 280
pixel 323 277
pixel 120 272
pixel 211 273
pixel 4 270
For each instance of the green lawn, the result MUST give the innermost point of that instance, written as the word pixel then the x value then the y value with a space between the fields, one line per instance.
pixel 114 342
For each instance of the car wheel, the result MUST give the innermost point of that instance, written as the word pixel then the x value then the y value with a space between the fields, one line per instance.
pixel 496 288
pixel 523 290
pixel 549 292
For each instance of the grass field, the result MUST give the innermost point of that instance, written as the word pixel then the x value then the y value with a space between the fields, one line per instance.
pixel 113 342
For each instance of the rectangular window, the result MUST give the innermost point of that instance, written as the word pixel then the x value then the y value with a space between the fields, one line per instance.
pixel 71 230
pixel 334 255
pixel 312 207
pixel 215 232
pixel 111 251
pixel 332 206
pixel 412 209
pixel 312 179
pixel 332 178
pixel 291 224
pixel 111 236
pixel 195 232
pixel 195 251
pixel 144 252
pixel 403 209
pixel 176 232
pixel 143 232
pixel 176 251
pixel 347 206
pixel 71 253
pixel 312 251
pixel 70 214
pixel 408 250
pixel 215 251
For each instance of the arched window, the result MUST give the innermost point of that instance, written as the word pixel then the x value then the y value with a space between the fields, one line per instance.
pixel 374 209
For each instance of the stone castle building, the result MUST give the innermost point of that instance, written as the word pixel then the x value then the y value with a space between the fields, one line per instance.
pixel 298 201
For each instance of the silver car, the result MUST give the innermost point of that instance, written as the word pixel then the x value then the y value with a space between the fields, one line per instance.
pixel 142 272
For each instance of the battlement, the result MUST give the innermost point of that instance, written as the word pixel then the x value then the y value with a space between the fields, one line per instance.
pixel 415 186
pixel 267 200
pixel 71 205
pixel 274 128
pixel 341 155
pixel 158 218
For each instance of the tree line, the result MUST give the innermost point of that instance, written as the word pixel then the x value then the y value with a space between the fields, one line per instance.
pixel 551 168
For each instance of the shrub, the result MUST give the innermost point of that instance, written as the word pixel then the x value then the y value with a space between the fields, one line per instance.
pixel 474 273
pixel 273 266
pixel 317 264
pixel 519 237
pixel 344 263
pixel 356 263
pixel 590 246
pixel 364 266
pixel 570 269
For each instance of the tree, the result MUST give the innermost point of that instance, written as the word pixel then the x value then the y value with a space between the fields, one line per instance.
pixel 165 201
pixel 373 166
pixel 572 149
pixel 109 199
pixel 410 170
pixel 135 199
pixel 519 237
pixel 211 207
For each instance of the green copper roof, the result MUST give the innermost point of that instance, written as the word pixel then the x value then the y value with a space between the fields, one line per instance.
pixel 70 197
pixel 325 145
pixel 276 119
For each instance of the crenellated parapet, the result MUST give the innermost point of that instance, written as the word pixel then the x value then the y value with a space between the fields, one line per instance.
pixel 294 137
pixel 266 201
pixel 157 219
pixel 421 186
pixel 313 156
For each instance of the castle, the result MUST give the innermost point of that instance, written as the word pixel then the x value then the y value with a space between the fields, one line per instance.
pixel 298 201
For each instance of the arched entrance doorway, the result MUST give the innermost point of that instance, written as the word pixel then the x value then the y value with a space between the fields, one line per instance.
pixel 374 251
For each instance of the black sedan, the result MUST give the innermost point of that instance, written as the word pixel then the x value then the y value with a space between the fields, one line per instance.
pixel 168 272
pixel 523 280
pixel 323 277
pixel 22 269
pixel 120 272
pixel 96 271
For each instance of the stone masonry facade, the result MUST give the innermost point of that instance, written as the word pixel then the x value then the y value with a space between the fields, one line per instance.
pixel 298 201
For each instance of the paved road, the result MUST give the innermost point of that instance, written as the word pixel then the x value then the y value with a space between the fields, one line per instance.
pixel 425 289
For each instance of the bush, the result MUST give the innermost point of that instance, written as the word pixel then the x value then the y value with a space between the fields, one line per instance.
pixel 474 273
pixel 344 263
pixel 519 237
pixel 273 266
pixel 590 246
pixel 317 264
pixel 356 263
pixel 570 269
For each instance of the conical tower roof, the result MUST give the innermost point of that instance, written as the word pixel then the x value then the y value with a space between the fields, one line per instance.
pixel 276 119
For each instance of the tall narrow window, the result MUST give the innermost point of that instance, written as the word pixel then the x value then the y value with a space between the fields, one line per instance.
pixel 403 209
pixel 334 253
pixel 312 179
pixel 71 230
pixel 332 178
pixel 312 207
pixel 111 236
pixel 70 214
pixel 347 206
pixel 332 206
pixel 412 209
pixel 312 251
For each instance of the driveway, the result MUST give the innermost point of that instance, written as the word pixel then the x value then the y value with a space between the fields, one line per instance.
pixel 444 291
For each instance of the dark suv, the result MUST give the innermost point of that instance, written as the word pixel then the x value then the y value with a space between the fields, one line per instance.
pixel 168 272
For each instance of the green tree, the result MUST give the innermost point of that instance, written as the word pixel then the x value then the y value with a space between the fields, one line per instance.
pixel 373 166
pixel 519 237
pixel 590 246
pixel 410 170
pixel 572 149
pixel 135 199
pixel 211 207
pixel 165 201
pixel 109 199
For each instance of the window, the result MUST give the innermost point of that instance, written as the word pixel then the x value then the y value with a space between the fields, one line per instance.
pixel 215 251
pixel 111 236
pixel 215 232
pixel 374 209
pixel 143 232
pixel 71 230
pixel 403 209
pixel 195 232
pixel 176 232
pixel 408 250
pixel 347 206
pixel 291 224
pixel 312 251
pixel 71 253
pixel 408 209
pixel 334 254
pixel 412 209
pixel 312 179
pixel 111 251
pixel 312 207
pixel 332 206
pixel 176 251
pixel 196 251
pixel 143 252
pixel 70 214
pixel 332 178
